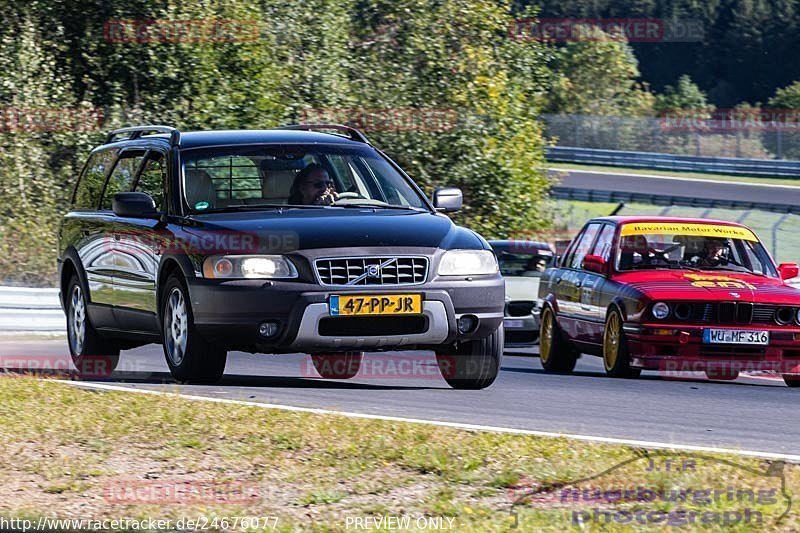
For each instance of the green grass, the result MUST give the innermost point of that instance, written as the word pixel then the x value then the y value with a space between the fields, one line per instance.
pixel 62 447
pixel 697 175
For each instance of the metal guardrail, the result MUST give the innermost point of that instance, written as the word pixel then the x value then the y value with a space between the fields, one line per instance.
pixel 592 195
pixel 652 160
pixel 24 310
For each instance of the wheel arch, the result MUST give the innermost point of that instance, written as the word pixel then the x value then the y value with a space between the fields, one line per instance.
pixel 169 266
pixel 619 305
pixel 71 264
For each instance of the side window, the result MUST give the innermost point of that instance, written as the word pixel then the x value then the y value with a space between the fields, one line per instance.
pixel 603 245
pixel 121 178
pixel 583 246
pixel 152 179
pixel 90 186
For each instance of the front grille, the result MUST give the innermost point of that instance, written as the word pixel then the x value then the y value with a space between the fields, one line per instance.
pixel 521 308
pixel 733 313
pixel 385 270
pixel 763 314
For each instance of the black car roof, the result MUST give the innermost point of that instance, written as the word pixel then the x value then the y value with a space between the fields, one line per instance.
pixel 199 139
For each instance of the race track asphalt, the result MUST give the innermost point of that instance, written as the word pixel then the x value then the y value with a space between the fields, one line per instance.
pixel 685 187
pixel 751 413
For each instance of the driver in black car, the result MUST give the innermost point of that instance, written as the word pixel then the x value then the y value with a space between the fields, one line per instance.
pixel 313 186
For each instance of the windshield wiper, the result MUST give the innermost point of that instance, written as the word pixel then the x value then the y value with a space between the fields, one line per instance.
pixel 379 206
pixel 256 207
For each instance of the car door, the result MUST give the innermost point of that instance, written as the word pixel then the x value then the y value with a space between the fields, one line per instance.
pixel 137 262
pixel 570 283
pixel 91 229
pixel 120 179
pixel 592 308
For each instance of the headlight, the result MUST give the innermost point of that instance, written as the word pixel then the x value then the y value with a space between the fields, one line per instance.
pixel 468 263
pixel 660 310
pixel 248 266
pixel 797 316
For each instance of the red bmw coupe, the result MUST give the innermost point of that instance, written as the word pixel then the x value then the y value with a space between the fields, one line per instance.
pixel 670 294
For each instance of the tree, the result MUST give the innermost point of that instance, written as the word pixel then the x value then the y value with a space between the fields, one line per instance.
pixel 598 76
pixel 685 95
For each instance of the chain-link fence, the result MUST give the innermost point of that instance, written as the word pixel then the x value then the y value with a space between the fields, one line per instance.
pixel 762 138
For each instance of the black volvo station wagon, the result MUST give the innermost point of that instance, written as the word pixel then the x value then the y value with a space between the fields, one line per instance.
pixel 296 239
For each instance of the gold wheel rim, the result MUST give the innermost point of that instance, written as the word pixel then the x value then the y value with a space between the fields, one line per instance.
pixel 611 341
pixel 546 336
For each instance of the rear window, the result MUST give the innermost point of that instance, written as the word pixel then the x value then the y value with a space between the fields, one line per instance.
pixel 90 184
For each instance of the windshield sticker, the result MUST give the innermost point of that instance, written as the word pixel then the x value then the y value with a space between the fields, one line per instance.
pixel 698 230
pixel 710 281
pixel 201 205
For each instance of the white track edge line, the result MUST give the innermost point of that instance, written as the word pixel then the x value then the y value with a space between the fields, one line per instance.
pixel 676 178
pixel 455 425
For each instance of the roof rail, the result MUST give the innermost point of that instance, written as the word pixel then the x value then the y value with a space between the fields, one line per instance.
pixel 353 133
pixel 135 132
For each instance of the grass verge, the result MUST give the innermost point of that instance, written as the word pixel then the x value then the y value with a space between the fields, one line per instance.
pixel 674 174
pixel 72 453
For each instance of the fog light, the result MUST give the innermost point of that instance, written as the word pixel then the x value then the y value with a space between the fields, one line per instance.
pixel 467 324
pixel 268 329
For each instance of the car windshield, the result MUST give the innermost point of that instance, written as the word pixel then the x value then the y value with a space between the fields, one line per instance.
pixel 530 264
pixel 242 177
pixel 696 246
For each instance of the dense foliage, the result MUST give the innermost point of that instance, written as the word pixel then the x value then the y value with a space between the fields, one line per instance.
pixel 746 50
pixel 290 60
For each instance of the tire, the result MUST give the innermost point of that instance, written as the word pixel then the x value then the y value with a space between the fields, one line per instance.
pixel 722 375
pixel 791 380
pixel 556 355
pixel 616 358
pixel 92 355
pixel 338 365
pixel 190 358
pixel 474 364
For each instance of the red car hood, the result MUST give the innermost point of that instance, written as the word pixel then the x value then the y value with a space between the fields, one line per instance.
pixel 708 285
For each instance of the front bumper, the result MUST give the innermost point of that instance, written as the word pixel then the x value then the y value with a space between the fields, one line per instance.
pixel 230 312
pixel 685 351
pixel 521 330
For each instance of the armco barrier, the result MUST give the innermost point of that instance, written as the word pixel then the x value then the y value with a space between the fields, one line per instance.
pixel 30 310
pixel 652 160
pixel 593 195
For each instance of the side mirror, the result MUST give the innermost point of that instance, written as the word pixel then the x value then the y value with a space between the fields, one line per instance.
pixel 594 263
pixel 447 199
pixel 788 270
pixel 134 205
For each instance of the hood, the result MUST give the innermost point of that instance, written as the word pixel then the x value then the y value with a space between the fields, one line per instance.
pixel 708 285
pixel 303 229
pixel 522 288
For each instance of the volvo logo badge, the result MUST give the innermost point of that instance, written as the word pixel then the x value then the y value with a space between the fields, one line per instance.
pixel 735 295
pixel 373 271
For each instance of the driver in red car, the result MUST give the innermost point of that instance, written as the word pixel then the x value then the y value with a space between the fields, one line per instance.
pixel 714 253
